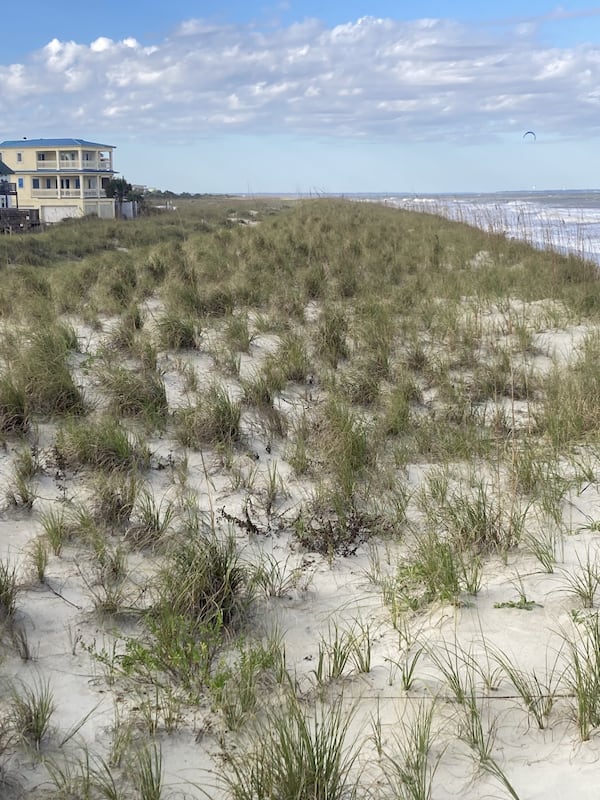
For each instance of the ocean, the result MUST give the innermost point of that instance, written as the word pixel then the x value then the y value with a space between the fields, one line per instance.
pixel 565 220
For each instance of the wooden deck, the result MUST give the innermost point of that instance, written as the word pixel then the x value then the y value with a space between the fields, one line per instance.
pixel 19 220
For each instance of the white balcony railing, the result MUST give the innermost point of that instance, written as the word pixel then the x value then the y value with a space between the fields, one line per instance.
pixel 67 193
pixel 100 165
pixel 41 193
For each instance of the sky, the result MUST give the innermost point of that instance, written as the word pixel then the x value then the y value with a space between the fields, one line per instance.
pixel 335 96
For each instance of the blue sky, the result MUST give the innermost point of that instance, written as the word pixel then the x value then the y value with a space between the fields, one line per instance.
pixel 311 96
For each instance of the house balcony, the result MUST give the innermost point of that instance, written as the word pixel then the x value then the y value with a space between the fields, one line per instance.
pixel 98 165
pixel 42 194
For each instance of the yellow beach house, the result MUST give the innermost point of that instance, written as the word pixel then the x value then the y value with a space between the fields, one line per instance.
pixel 61 177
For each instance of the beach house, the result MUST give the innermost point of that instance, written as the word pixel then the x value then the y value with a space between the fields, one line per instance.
pixel 8 188
pixel 60 177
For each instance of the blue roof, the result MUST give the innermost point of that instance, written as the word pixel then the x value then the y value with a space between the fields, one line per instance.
pixel 52 143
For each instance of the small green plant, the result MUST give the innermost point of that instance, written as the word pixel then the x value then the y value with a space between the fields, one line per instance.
pixel 275 577
pixel 584 582
pixel 55 528
pixel 582 673
pixel 8 591
pixel 236 683
pixel 410 770
pixel 31 709
pixel 84 776
pixel 538 695
pixel 39 558
pixel 151 520
pixel 113 497
pixel 546 546
pixel 149 773
pixel 21 491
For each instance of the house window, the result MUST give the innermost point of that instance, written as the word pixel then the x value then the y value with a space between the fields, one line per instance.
pixel 41 156
pixel 19 156
pixel 21 183
pixel 35 183
pixel 77 184
pixel 48 183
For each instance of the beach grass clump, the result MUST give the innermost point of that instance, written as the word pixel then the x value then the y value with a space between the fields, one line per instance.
pixel 8 591
pixel 102 443
pixel 55 526
pixel 206 581
pixel 175 331
pixel 376 330
pixel 347 444
pixel 399 404
pixel 152 520
pixel 31 709
pixel 570 409
pixel 135 393
pixel 433 573
pixel 14 406
pixel 582 672
pixel 116 282
pixel 361 382
pixel 409 768
pixel 124 335
pixel 291 357
pixel 113 497
pixel 238 335
pixel 303 754
pixel 261 388
pixel 40 370
pixel 537 692
pixel 202 594
pixel 330 339
pixel 214 419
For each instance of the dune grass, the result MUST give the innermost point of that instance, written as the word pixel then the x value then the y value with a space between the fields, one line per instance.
pixel 336 377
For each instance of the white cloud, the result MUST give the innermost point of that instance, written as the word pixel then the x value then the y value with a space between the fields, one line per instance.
pixel 425 79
